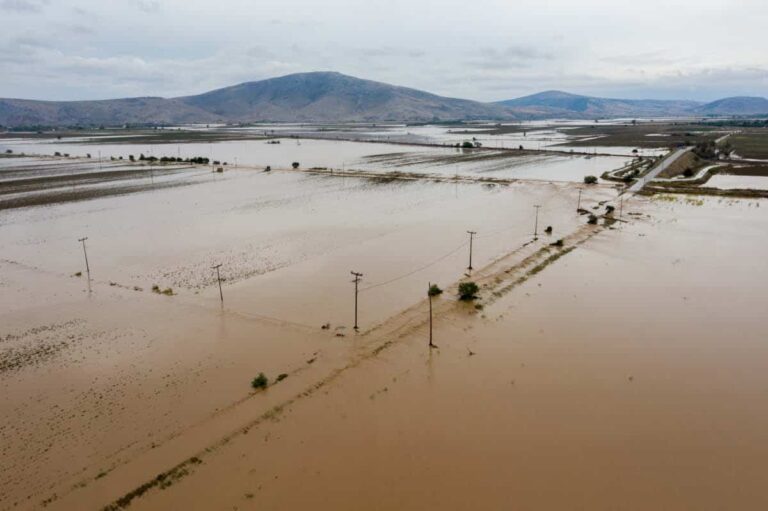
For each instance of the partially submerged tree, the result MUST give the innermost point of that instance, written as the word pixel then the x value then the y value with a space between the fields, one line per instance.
pixel 468 291
pixel 590 180
pixel 260 382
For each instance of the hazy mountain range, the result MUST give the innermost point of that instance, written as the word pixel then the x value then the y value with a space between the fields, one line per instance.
pixel 334 97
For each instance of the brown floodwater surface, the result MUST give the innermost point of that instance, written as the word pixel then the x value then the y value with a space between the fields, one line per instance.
pixel 629 374
pixel 625 370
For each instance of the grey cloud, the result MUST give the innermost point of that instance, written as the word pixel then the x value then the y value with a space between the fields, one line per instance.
pixel 509 57
pixel 148 5
pixel 23 5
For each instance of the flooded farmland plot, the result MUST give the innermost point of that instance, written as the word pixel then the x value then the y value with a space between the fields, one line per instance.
pixel 134 379
pixel 343 155
pixel 601 365
pixel 607 372
pixel 106 362
pixel 495 164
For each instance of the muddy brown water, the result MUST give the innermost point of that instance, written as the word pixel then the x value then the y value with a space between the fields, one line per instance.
pixel 614 379
pixel 611 378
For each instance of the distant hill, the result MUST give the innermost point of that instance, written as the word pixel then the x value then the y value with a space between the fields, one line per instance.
pixel 24 112
pixel 304 97
pixel 332 97
pixel 739 105
pixel 563 104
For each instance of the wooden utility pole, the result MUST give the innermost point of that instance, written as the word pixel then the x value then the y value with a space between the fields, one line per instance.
pixel 85 253
pixel 536 223
pixel 429 295
pixel 218 277
pixel 471 238
pixel 578 204
pixel 621 205
pixel 358 277
pixel 87 266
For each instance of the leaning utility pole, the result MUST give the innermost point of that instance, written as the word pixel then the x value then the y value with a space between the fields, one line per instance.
pixel 358 277
pixel 578 204
pixel 471 238
pixel 218 277
pixel 85 253
pixel 536 224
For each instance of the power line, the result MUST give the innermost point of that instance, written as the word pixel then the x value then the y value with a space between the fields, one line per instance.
pixel 395 279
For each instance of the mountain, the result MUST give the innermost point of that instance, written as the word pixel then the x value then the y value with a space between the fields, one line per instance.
pixel 739 105
pixel 333 97
pixel 563 104
pixel 304 97
pixel 111 112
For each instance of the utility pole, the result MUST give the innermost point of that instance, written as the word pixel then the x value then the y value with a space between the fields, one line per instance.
pixel 358 277
pixel 429 294
pixel 578 204
pixel 621 204
pixel 471 238
pixel 87 267
pixel 218 277
pixel 536 223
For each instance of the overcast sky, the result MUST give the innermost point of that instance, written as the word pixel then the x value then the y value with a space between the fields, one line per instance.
pixel 483 49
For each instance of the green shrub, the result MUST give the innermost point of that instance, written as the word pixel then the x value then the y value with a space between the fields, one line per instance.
pixel 468 290
pixel 260 382
pixel 590 180
pixel 434 290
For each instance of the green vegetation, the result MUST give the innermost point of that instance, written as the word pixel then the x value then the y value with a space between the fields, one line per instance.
pixel 706 150
pixel 590 180
pixel 434 290
pixel 295 165
pixel 468 291
pixel 260 382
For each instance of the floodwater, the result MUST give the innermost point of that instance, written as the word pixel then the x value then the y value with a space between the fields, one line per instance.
pixel 93 378
pixel 730 182
pixel 610 371
pixel 612 379
pixel 344 155
pixel 496 164
pixel 531 135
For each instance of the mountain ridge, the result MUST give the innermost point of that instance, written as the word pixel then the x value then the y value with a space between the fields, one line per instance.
pixel 334 97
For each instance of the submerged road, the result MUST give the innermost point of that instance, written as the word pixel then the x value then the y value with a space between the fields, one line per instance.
pixel 640 183
pixel 650 176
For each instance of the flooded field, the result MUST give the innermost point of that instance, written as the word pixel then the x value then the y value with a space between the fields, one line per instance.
pixel 333 154
pixel 727 181
pixel 593 355
pixel 92 358
pixel 499 164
